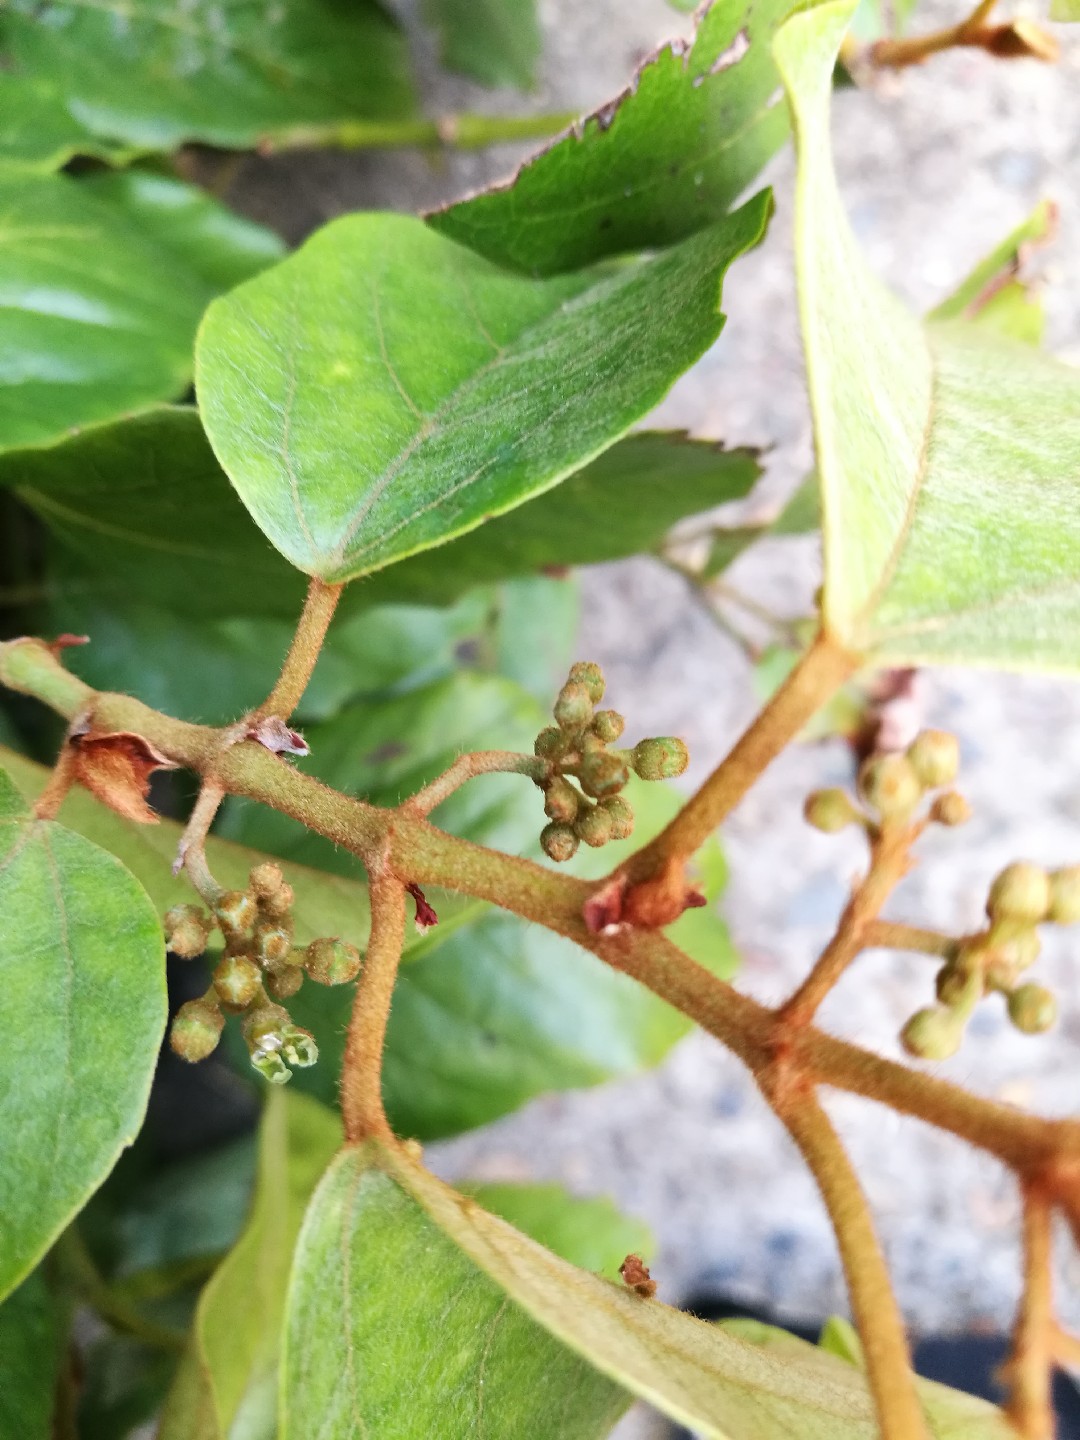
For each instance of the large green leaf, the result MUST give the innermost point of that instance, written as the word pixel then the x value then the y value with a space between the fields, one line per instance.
pixel 667 157
pixel 497 42
pixel 949 457
pixel 83 978
pixel 623 503
pixel 590 1233
pixel 228 73
pixel 221 246
pixel 384 389
pixel 38 131
pixel 391 1330
pixel 98 318
pixel 33 1336
pixel 994 293
pixel 227 1381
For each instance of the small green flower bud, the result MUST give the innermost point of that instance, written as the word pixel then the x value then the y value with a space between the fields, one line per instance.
pixel 1015 943
pixel 558 841
pixel 561 800
pixel 608 725
pixel 622 816
pixel 602 774
pixel 932 1034
pixel 589 674
pixel 550 744
pixel 661 758
pixel 237 980
pixel 830 811
pixel 271 1066
pixel 262 1027
pixel 573 708
pixel 298 1047
pixel 235 911
pixel 196 1030
pixel 188 939
pixel 285 983
pixel 265 881
pixel 273 946
pixel 1021 892
pixel 332 961
pixel 1065 895
pixel 950 809
pixel 1032 1009
pixel 935 758
pixel 889 785
pixel 959 982
pixel 594 826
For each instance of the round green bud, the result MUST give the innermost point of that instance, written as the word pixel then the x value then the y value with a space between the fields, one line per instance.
pixel 298 1047
pixel 188 939
pixel 558 841
pixel 573 708
pixel 1065 895
pixel 1021 892
pixel 561 800
pixel 622 817
pixel 332 961
pixel 1015 943
pixel 608 725
pixel 550 744
pixel 935 758
pixel 595 826
pixel 196 1030
pixel 591 744
pixel 661 758
pixel 602 774
pixel 263 1026
pixel 237 980
pixel 284 983
pixel 235 911
pixel 950 809
pixel 830 811
pixel 959 983
pixel 889 785
pixel 589 674
pixel 932 1034
pixel 271 1066
pixel 273 946
pixel 1032 1009
pixel 265 881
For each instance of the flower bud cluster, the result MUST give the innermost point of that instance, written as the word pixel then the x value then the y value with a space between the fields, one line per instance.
pixel 892 786
pixel 578 745
pixel 1022 897
pixel 259 965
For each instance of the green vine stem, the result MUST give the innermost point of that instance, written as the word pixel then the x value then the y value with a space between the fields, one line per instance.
pixel 462 132
pixel 877 1316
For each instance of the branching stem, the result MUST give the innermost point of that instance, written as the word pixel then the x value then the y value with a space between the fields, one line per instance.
pixel 880 1324
pixel 467 767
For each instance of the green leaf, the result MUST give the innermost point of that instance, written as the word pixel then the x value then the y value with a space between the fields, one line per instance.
pixel 375 1217
pixel 994 294
pixel 98 317
pixel 220 246
pixel 1065 10
pixel 325 904
pixel 33 1340
pixel 39 132
pixel 227 75
pixel 227 1382
pixel 623 503
pixel 881 19
pixel 590 1233
pixel 379 1299
pixel 83 978
pixel 667 157
pixel 534 631
pixel 384 390
pixel 949 457
pixel 497 42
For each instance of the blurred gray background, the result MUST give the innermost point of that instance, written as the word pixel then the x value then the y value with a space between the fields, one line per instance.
pixel 936 165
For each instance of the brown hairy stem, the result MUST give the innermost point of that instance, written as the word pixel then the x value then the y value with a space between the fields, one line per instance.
pixel 1018 40
pixel 307 643
pixel 467 767
pixel 1029 1368
pixel 877 1315
pixel 893 935
pixel 361 1075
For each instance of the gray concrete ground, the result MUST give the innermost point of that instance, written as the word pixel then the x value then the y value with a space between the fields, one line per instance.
pixel 936 166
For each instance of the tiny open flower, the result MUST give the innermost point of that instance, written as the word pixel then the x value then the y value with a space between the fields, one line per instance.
pixel 270 1066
